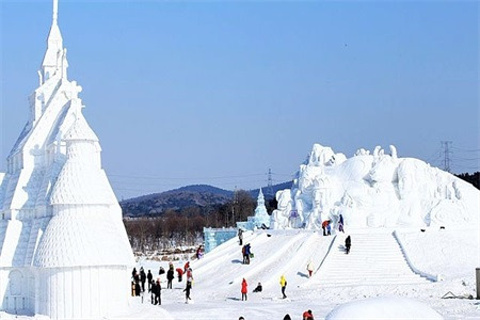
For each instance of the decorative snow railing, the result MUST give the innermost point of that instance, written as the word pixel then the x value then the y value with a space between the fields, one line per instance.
pixel 431 277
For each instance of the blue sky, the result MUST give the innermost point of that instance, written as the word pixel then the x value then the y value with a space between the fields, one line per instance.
pixel 218 92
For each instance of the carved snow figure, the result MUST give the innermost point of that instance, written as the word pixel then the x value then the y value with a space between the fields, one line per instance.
pixel 64 251
pixel 280 216
pixel 374 190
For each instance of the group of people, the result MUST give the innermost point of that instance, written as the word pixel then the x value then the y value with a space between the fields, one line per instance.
pixel 259 288
pixel 154 286
pixel 327 228
pixel 307 315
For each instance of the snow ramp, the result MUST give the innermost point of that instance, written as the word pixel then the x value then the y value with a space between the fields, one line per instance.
pixel 219 274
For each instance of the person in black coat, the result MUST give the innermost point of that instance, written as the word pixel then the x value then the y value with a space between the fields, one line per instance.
pixel 158 292
pixel 348 244
pixel 170 276
pixel 143 278
pixel 149 278
pixel 258 288
pixel 153 289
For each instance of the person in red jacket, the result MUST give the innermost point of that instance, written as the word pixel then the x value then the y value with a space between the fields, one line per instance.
pixel 244 289
pixel 307 315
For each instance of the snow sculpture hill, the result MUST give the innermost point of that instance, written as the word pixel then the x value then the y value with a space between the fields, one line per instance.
pixel 374 190
pixel 64 251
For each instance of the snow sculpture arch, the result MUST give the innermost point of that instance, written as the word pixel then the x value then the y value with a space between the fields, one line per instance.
pixel 373 189
pixel 64 251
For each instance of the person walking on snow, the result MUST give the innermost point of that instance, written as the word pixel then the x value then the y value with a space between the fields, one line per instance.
pixel 348 244
pixel 244 289
pixel 310 268
pixel 189 285
pixel 283 285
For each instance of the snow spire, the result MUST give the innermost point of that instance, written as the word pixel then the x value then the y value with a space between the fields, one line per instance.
pixel 55 11
pixel 55 60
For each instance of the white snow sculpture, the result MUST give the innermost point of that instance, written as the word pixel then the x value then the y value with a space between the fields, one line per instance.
pixel 280 217
pixel 64 252
pixel 374 190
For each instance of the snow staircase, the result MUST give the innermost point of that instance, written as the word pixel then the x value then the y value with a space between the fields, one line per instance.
pixel 375 259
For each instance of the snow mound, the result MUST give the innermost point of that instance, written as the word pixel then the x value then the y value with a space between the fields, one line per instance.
pixel 383 308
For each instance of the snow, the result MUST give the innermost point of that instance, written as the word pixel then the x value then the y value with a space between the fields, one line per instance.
pixel 61 231
pixel 383 308
pixel 454 253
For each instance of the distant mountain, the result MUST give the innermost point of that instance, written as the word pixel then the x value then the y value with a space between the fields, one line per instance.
pixel 203 196
pixel 184 197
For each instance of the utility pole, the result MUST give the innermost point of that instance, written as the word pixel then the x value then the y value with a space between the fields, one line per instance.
pixel 446 146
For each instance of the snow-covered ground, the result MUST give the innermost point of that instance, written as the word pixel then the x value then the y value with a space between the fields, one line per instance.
pixel 450 254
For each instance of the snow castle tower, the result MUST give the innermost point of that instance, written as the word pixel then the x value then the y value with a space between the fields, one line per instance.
pixel 64 251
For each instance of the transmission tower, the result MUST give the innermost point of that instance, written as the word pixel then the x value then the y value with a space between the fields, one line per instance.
pixel 446 151
pixel 270 182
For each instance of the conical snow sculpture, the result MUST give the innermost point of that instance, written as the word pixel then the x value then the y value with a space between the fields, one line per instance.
pixel 261 216
pixel 374 190
pixel 64 251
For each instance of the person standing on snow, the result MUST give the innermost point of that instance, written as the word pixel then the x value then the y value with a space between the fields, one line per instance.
pixel 244 289
pixel 248 252
pixel 348 244
pixel 240 236
pixel 158 292
pixel 170 276
pixel 310 268
pixel 340 224
pixel 149 278
pixel 283 285
pixel 143 278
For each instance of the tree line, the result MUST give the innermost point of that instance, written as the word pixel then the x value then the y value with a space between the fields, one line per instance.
pixel 184 227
